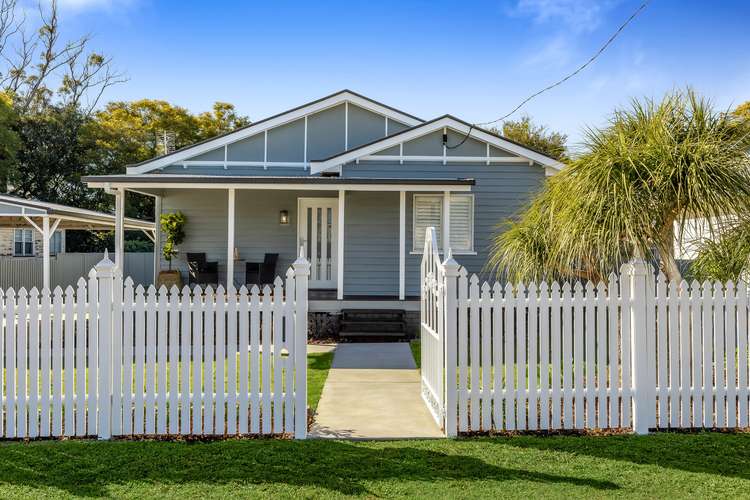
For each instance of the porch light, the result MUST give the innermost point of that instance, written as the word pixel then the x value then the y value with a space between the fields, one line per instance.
pixel 284 217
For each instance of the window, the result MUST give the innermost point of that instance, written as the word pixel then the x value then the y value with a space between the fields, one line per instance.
pixel 56 245
pixel 428 211
pixel 23 242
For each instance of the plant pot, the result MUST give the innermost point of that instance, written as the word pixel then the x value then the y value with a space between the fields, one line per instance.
pixel 169 279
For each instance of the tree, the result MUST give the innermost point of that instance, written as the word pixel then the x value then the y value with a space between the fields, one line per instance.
pixel 537 137
pixel 9 140
pixel 743 111
pixel 654 167
pixel 725 258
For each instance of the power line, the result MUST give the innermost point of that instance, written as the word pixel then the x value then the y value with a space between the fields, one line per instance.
pixel 562 80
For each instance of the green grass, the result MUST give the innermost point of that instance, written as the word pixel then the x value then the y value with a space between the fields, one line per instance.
pixel 318 365
pixel 657 466
pixel 416 351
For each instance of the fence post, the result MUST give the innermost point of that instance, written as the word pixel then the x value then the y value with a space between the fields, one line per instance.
pixel 644 393
pixel 105 272
pixel 301 273
pixel 451 268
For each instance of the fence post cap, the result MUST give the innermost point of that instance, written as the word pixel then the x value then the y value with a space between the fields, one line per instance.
pixel 105 267
pixel 636 267
pixel 451 266
pixel 301 265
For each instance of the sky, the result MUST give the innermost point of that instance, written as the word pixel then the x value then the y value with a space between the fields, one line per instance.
pixel 473 59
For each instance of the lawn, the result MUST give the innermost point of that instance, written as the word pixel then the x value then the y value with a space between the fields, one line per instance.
pixel 318 365
pixel 416 351
pixel 661 465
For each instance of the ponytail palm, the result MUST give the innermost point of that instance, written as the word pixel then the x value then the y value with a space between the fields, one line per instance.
pixel 654 167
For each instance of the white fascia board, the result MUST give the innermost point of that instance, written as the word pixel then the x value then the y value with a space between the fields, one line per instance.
pixel 276 121
pixel 389 142
pixel 429 188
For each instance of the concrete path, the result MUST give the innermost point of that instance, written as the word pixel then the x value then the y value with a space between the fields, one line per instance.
pixel 373 392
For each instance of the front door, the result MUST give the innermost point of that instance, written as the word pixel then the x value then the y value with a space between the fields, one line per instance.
pixel 317 230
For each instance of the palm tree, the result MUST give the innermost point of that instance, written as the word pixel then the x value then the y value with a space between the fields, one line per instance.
pixel 638 181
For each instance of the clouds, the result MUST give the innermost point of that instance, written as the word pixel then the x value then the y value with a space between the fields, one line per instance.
pixel 92 5
pixel 577 15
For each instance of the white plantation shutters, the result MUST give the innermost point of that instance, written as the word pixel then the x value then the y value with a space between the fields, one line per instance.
pixel 462 223
pixel 428 212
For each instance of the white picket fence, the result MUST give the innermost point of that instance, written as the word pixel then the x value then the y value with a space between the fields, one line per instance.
pixel 108 359
pixel 636 352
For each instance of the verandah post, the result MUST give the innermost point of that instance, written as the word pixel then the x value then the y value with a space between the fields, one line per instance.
pixel 301 274
pixel 644 390
pixel 105 273
pixel 451 268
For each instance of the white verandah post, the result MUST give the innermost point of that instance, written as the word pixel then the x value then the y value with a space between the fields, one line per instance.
pixel 301 274
pixel 402 246
pixel 45 252
pixel 157 236
pixel 340 247
pixel 446 222
pixel 230 237
pixel 120 230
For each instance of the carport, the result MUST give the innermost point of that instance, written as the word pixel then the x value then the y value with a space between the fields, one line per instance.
pixel 47 217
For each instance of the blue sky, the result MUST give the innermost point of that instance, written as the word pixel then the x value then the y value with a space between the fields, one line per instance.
pixel 476 60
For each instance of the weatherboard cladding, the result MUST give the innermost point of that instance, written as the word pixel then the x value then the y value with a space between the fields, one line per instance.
pixel 500 192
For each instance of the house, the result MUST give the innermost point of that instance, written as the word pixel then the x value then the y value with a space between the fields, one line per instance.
pixel 26 225
pixel 351 181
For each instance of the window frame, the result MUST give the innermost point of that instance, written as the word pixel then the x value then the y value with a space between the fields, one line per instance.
pixel 23 231
pixel 420 250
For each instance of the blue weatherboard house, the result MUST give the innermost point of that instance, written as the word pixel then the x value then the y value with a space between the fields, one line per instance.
pixel 352 182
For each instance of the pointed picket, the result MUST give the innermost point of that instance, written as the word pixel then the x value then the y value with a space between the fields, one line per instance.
pixel 33 362
pixel 196 342
pixel 231 353
pixel 151 325
pixel 162 333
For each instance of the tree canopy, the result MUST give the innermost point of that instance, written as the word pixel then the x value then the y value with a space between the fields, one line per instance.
pixel 537 137
pixel 655 166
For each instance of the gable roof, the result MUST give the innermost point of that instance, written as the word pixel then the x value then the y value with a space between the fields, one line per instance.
pixel 445 121
pixel 271 122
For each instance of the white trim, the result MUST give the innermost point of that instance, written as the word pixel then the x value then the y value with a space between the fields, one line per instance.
pixel 230 237
pixel 54 227
pixel 32 223
pixel 419 131
pixel 225 156
pixel 287 187
pixel 448 159
pixel 445 146
pixel 346 125
pixel 446 220
pixel 489 158
pixel 305 145
pixel 401 153
pixel 265 150
pixel 283 118
pixel 402 246
pixel 386 127
pixel 340 246
pixel 219 163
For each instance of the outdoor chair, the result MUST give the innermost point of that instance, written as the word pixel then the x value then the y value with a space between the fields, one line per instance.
pixel 261 273
pixel 201 272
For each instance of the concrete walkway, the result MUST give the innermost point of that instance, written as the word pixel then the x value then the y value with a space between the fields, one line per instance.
pixel 373 392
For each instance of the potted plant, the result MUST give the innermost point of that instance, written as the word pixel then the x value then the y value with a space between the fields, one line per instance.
pixel 173 227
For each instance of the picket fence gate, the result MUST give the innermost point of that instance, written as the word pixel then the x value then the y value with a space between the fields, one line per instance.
pixel 637 352
pixel 110 359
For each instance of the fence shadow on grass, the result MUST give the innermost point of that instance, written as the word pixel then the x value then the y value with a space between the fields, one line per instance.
pixel 90 468
pixel 719 453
